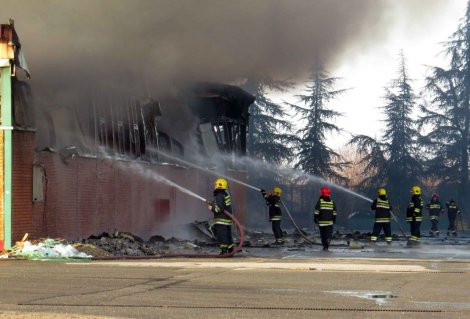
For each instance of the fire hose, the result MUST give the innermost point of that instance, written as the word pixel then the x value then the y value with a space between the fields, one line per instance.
pixel 231 254
pixel 461 221
pixel 398 224
pixel 295 225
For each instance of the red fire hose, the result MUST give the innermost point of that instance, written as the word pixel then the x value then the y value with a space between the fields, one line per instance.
pixel 236 250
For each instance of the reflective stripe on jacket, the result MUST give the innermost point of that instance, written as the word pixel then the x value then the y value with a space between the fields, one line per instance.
pixel 274 203
pixel 222 201
pixel 452 209
pixel 325 212
pixel 435 209
pixel 414 211
pixel 382 208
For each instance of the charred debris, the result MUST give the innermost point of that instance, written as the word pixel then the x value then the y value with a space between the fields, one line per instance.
pixel 200 118
pixel 126 244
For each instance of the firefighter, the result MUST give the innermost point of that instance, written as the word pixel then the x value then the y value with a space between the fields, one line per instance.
pixel 414 215
pixel 383 209
pixel 435 210
pixel 452 211
pixel 222 224
pixel 325 216
pixel 273 200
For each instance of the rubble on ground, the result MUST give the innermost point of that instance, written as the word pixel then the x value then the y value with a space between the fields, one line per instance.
pixel 126 244
pixel 92 250
pixel 44 249
pixel 204 227
pixel 121 244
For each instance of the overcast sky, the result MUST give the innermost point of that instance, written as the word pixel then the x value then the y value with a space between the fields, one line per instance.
pixel 368 71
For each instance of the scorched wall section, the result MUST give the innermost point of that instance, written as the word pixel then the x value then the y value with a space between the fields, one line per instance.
pixel 76 196
pixel 86 196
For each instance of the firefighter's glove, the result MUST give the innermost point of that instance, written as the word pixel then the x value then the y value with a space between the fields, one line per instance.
pixel 210 205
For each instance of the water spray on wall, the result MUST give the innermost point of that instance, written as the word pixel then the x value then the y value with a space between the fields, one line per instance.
pixel 258 163
pixel 154 176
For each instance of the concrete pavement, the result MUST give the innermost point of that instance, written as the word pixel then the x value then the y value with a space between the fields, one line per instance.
pixel 237 288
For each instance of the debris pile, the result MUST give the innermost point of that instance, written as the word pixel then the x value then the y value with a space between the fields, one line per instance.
pixel 126 244
pixel 91 250
pixel 45 249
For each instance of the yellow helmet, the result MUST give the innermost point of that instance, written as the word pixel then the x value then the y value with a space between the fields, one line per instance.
pixel 220 183
pixel 416 190
pixel 382 192
pixel 277 191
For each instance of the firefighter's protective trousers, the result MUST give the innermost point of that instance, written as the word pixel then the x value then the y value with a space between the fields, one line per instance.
pixel 378 228
pixel 223 233
pixel 452 220
pixel 278 235
pixel 415 230
pixel 435 226
pixel 326 232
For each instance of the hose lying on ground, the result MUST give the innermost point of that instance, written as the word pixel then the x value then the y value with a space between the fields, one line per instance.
pixel 295 225
pixel 398 224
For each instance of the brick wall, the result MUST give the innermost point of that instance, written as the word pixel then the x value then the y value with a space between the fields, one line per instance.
pixel 23 221
pixel 88 196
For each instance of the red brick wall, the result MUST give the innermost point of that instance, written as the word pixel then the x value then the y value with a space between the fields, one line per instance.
pixel 85 196
pixel 23 221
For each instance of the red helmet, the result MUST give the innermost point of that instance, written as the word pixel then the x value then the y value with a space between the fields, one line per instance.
pixel 325 191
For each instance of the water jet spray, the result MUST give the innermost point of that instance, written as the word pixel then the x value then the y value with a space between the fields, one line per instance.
pixel 236 181
pixel 291 171
pixel 206 170
pixel 284 170
pixel 148 173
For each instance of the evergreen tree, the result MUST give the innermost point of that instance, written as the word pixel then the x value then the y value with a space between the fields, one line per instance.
pixel 269 139
pixel 315 156
pixel 448 141
pixel 269 136
pixel 393 159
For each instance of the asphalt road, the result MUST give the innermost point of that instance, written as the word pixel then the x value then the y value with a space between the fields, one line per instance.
pixel 236 288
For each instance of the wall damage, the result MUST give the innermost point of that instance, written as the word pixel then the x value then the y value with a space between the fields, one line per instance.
pixel 81 181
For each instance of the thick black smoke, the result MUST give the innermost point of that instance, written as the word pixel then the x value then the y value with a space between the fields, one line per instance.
pixel 80 43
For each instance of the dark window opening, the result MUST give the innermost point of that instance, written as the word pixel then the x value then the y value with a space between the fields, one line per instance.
pixel 230 136
pixel 177 148
pixel 164 142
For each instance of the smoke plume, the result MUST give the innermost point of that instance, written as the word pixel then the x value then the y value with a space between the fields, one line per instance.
pixel 125 43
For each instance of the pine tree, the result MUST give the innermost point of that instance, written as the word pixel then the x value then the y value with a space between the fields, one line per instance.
pixel 448 142
pixel 315 157
pixel 394 159
pixel 269 139
pixel 269 134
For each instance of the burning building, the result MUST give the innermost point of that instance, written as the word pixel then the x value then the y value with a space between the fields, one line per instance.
pixel 69 171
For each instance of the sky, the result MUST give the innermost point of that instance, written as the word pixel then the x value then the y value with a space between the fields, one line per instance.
pixel 366 72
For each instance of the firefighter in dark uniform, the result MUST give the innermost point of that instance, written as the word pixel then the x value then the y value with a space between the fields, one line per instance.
pixel 325 216
pixel 414 215
pixel 452 212
pixel 222 224
pixel 435 210
pixel 383 216
pixel 275 215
